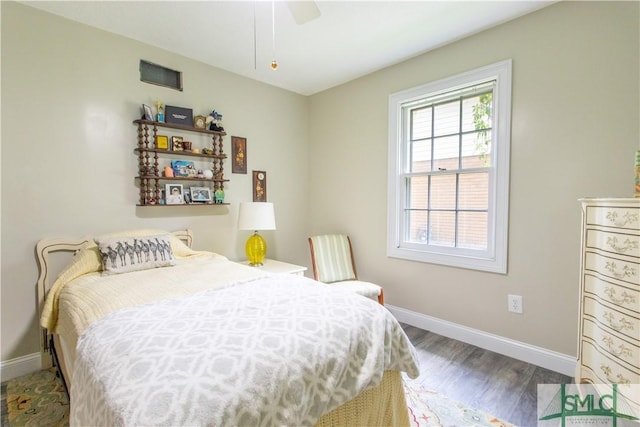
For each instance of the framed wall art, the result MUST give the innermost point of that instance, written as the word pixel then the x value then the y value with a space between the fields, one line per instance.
pixel 259 186
pixel 239 154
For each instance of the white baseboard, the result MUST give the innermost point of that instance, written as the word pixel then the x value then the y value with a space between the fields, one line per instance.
pixel 538 356
pixel 19 366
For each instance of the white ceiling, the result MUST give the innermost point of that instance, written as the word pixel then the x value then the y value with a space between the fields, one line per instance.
pixel 348 40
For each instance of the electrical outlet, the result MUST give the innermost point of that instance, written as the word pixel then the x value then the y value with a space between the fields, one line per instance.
pixel 515 303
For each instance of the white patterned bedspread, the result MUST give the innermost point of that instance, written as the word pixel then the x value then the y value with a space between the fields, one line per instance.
pixel 280 350
pixel 81 295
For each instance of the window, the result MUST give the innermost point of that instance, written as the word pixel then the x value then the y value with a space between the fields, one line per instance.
pixel 449 170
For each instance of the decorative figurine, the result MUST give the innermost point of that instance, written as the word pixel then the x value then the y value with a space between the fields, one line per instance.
pixel 168 172
pixel 214 120
pixel 160 110
pixel 219 196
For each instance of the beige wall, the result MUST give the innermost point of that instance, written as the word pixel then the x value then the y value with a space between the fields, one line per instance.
pixel 69 94
pixel 574 132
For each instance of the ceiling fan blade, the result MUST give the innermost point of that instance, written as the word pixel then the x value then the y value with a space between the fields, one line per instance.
pixel 303 11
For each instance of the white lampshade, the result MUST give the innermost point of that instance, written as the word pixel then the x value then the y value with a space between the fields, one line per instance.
pixel 256 216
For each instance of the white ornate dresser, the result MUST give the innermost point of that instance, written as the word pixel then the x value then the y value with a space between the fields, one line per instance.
pixel 609 328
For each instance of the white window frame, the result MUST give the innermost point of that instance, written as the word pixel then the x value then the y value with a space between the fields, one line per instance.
pixel 494 259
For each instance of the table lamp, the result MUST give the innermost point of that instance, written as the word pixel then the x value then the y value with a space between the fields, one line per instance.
pixel 256 216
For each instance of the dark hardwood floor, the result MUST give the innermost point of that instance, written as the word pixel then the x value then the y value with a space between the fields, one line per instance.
pixel 497 384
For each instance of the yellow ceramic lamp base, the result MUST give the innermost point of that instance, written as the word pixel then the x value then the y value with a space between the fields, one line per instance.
pixel 256 249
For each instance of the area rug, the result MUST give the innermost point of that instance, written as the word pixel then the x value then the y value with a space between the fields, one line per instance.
pixel 39 399
pixel 429 409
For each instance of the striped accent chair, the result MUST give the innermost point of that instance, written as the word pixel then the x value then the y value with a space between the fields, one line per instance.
pixel 332 260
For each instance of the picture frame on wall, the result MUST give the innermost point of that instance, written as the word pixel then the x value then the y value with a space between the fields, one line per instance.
pixel 174 194
pixel 259 186
pixel 239 154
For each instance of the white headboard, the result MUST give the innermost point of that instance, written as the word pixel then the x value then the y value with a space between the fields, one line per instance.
pixel 48 273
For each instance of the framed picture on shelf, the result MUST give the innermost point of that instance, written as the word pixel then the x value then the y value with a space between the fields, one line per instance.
pixel 174 194
pixel 148 115
pixel 183 168
pixel 201 195
pixel 178 115
pixel 239 154
pixel 259 186
pixel 176 143
pixel 162 142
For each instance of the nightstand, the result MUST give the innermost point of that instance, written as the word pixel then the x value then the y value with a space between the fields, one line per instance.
pixel 279 267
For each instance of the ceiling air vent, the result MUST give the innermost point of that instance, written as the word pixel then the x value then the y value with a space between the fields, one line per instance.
pixel 159 75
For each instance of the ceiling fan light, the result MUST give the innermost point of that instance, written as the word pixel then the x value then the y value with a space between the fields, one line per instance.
pixel 303 11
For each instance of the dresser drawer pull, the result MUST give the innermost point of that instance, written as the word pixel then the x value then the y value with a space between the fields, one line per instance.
pixel 626 270
pixel 627 218
pixel 622 325
pixel 606 370
pixel 622 352
pixel 628 245
pixel 626 298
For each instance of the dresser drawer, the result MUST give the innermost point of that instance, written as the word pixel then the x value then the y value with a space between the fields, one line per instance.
pixel 628 394
pixel 609 341
pixel 619 350
pixel 614 268
pixel 624 324
pixel 626 297
pixel 619 217
pixel 606 370
pixel 613 242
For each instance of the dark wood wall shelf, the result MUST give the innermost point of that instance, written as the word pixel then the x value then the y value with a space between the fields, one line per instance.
pixel 181 178
pixel 179 153
pixel 150 172
pixel 186 204
pixel 178 127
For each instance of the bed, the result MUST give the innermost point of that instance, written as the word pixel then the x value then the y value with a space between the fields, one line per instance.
pixel 171 336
